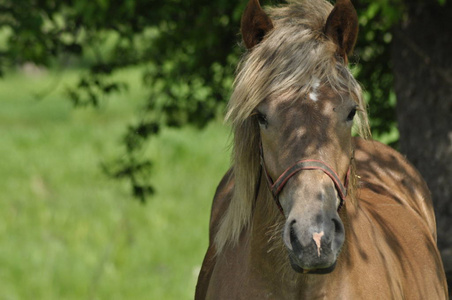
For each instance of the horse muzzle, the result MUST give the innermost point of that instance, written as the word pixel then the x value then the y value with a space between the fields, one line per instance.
pixel 314 248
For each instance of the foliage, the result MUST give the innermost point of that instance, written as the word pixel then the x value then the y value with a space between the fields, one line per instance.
pixel 189 50
pixel 68 231
pixel 373 60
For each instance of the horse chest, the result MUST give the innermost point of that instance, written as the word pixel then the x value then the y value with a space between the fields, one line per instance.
pixel 238 276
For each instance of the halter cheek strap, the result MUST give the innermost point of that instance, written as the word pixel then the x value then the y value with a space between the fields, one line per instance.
pixel 308 164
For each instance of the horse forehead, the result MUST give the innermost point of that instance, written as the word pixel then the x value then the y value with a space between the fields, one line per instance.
pixel 318 99
pixel 313 94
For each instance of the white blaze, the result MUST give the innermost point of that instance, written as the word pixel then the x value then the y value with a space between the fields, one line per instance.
pixel 313 94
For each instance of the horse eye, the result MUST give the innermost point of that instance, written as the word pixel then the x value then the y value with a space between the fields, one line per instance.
pixel 352 114
pixel 262 119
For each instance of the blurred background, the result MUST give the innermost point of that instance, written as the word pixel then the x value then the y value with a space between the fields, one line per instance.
pixel 112 139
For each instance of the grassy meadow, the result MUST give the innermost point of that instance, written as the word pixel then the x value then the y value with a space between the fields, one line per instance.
pixel 67 231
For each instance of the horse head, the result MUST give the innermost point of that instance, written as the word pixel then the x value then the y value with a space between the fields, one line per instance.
pixel 305 100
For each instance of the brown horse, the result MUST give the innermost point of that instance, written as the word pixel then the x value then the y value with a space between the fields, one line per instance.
pixel 307 211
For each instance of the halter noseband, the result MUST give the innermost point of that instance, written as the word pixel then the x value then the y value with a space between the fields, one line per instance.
pixel 307 164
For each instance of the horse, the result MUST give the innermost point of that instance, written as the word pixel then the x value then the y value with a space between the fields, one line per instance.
pixel 311 207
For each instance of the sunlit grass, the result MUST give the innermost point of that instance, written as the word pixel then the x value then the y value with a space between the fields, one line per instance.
pixel 69 232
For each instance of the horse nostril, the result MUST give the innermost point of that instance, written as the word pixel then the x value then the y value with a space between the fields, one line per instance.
pixel 293 237
pixel 337 226
pixel 339 235
pixel 294 241
pixel 289 234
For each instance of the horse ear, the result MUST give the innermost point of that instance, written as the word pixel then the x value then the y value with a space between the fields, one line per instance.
pixel 255 24
pixel 342 27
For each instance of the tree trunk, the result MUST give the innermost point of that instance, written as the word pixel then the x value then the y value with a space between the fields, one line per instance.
pixel 422 62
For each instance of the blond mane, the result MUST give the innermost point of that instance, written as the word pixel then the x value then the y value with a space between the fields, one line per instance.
pixel 289 59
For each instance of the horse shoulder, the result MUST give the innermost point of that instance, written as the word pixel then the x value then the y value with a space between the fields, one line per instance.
pixel 394 230
pixel 220 204
pixel 387 172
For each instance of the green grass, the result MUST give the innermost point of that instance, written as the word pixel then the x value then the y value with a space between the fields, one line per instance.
pixel 69 232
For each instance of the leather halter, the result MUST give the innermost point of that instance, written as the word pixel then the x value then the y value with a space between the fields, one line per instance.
pixel 307 164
